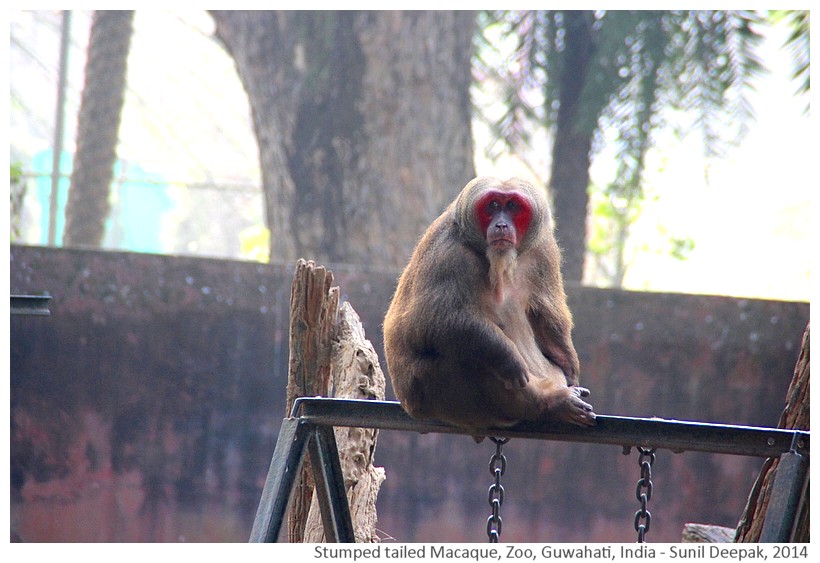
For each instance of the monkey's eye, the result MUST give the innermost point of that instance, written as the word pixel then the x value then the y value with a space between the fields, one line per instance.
pixel 492 207
pixel 512 205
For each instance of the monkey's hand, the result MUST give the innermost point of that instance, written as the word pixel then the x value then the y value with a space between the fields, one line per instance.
pixel 515 378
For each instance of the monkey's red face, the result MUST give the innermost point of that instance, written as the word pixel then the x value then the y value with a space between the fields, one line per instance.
pixel 504 217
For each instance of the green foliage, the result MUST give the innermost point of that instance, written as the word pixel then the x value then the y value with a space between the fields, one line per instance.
pixel 610 247
pixel 614 212
pixel 17 189
pixel 681 247
pixel 798 44
pixel 649 69
pixel 15 172
pixel 255 243
pixel 697 62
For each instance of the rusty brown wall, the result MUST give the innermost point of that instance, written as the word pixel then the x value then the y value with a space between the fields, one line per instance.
pixel 145 408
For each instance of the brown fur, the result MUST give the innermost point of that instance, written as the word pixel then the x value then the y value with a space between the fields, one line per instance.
pixel 480 336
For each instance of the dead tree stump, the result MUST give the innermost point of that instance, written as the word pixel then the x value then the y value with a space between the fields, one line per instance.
pixel 330 356
pixel 795 416
pixel 356 375
pixel 707 533
pixel 313 307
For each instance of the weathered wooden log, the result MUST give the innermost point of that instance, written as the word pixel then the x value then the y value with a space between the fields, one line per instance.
pixel 314 304
pixel 329 355
pixel 356 375
pixel 707 533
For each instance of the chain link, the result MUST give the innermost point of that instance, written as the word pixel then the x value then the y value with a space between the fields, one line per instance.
pixel 643 492
pixel 495 495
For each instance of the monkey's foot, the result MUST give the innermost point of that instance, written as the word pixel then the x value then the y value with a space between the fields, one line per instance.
pixel 575 410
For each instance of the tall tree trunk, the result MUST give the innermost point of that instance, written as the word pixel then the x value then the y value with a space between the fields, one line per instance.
pixel 571 153
pixel 98 127
pixel 363 125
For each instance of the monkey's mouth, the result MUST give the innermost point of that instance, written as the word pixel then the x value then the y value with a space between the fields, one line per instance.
pixel 502 243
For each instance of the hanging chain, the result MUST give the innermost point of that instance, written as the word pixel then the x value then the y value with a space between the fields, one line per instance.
pixel 498 465
pixel 643 492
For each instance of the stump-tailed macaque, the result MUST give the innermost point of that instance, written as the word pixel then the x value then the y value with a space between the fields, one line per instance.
pixel 478 332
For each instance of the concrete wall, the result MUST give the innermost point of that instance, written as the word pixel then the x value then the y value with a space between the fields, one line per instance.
pixel 146 407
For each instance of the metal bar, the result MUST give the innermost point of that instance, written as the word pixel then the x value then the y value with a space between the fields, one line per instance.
pixel 788 492
pixel 285 464
pixel 313 419
pixel 30 305
pixel 678 436
pixel 330 486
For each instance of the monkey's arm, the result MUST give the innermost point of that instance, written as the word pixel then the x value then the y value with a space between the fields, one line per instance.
pixel 552 327
pixel 445 326
pixel 470 344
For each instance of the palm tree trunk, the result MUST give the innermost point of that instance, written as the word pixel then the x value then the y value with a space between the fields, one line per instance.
pixel 98 128
pixel 571 153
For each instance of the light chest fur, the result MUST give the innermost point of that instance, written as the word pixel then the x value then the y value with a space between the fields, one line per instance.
pixel 506 300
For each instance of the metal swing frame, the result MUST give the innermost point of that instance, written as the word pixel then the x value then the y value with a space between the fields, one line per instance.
pixel 309 430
